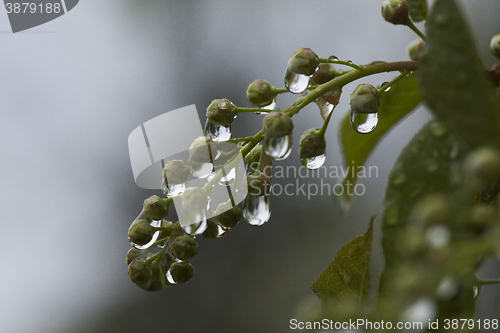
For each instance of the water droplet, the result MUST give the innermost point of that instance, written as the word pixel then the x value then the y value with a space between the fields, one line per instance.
pixel 172 190
pixel 296 83
pixel 332 57
pixel 201 170
pixel 448 288
pixel 229 178
pixel 218 133
pixel 475 291
pixel 278 148
pixel 257 210
pixel 314 162
pixel 193 221
pixel 438 129
pixel 438 236
pixel 422 310
pixel 223 231
pixel 271 106
pixel 154 223
pixel 363 123
pixel 170 278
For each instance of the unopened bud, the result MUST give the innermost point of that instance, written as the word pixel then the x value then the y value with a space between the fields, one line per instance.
pixel 365 99
pixel 176 172
pixel 303 61
pixel 415 49
pixel 221 112
pixel 312 143
pixel 228 215
pixel 277 124
pixel 185 247
pixel 395 11
pixel 261 93
pixel 140 231
pixel 181 271
pixel 212 230
pixel 155 207
pixel 139 272
pixel 325 73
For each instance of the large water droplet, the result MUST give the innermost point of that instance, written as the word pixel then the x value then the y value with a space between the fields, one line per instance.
pixel 438 236
pixel 170 278
pixel 257 210
pixel 172 190
pixel 271 106
pixel 314 162
pixel 278 148
pixel 363 123
pixel 193 221
pixel 475 291
pixel 296 83
pixel 218 132
pixel 201 170
pixel 154 223
pixel 332 57
pixel 229 178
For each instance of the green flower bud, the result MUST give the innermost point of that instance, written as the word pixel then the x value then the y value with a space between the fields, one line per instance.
pixel 261 93
pixel 140 231
pixel 139 272
pixel 495 46
pixel 325 73
pixel 133 254
pixel 155 207
pixel 228 215
pixel 365 99
pixel 158 280
pixel 481 218
pixel 312 143
pixel 253 158
pixel 257 185
pixel 482 169
pixel 181 271
pixel 194 198
pixel 221 112
pixel 303 61
pixel 185 247
pixel 176 172
pixel 395 11
pixel 277 124
pixel 212 230
pixel 415 49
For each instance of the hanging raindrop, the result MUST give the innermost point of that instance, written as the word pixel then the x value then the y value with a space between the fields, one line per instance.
pixel 172 190
pixel 218 133
pixel 296 83
pixel 314 162
pixel 278 148
pixel 363 123
pixel 269 107
pixel 257 210
pixel 170 278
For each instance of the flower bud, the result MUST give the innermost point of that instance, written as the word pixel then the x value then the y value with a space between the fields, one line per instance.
pixel 155 207
pixel 139 272
pixel 133 254
pixel 257 185
pixel 253 158
pixel 158 280
pixel 482 169
pixel 395 11
pixel 228 215
pixel 194 198
pixel 261 93
pixel 495 46
pixel 140 231
pixel 365 99
pixel 277 124
pixel 303 61
pixel 199 151
pixel 415 49
pixel 221 112
pixel 185 247
pixel 212 230
pixel 312 143
pixel 325 73
pixel 176 172
pixel 181 271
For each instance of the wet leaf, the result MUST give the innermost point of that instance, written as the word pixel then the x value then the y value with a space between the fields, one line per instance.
pixel 399 101
pixel 452 79
pixel 418 9
pixel 348 275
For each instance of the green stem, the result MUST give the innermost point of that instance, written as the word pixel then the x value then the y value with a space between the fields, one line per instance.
pixel 340 62
pixel 235 140
pixel 327 121
pixel 384 87
pixel 280 90
pixel 240 109
pixel 483 282
pixel 412 26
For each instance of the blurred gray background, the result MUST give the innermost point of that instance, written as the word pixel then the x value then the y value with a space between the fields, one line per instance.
pixel 71 92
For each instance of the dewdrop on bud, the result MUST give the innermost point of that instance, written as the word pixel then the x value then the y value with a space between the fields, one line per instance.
pixel 261 93
pixel 301 65
pixel 395 11
pixel 175 175
pixel 141 232
pixel 495 46
pixel 221 112
pixel 202 153
pixel 325 73
pixel 312 148
pixel 181 271
pixel 365 101
pixel 415 49
pixel 278 129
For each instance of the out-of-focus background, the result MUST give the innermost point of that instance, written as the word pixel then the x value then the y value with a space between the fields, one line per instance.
pixel 71 92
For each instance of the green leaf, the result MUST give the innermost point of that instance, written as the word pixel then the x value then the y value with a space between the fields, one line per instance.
pixel 419 9
pixel 452 79
pixel 398 102
pixel 348 275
